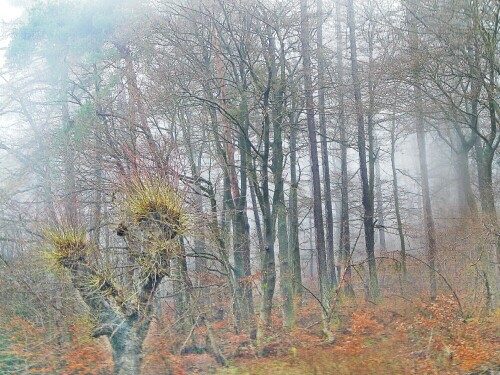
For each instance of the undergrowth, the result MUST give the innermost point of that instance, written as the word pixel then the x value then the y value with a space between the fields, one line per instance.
pixel 389 338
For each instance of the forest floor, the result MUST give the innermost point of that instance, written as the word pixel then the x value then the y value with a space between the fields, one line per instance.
pixel 394 336
pixel 401 333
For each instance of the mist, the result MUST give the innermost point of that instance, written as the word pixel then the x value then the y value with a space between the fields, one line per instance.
pixel 248 186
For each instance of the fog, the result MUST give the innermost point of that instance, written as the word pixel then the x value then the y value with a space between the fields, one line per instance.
pixel 216 175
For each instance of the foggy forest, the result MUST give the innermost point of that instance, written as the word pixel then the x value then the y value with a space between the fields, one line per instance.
pixel 249 187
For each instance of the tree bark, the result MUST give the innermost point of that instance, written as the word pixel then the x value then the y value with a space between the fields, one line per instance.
pixel 126 344
pixel 429 229
pixel 255 209
pixel 268 260
pixel 368 220
pixel 345 235
pixel 332 277
pixel 293 213
pixel 241 203
pixel 372 157
pixel 395 192
pixel 313 148
pixel 285 268
pixel 235 191
pixel 69 169
pixel 380 207
pixel 279 207
pixel 468 202
pixel 430 232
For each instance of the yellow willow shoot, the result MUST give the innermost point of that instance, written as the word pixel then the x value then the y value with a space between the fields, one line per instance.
pixel 156 202
pixel 67 244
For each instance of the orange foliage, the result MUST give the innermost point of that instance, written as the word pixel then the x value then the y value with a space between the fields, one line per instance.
pixel 400 337
pixel 390 338
pixel 84 355
pixel 44 353
pixel 158 358
pixel 466 343
pixel 28 343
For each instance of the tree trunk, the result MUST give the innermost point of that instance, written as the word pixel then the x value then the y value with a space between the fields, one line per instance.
pixel 241 252
pixel 217 231
pixel 182 292
pixel 234 195
pixel 279 207
pixel 345 235
pixel 484 156
pixel 372 157
pixel 293 214
pixel 368 220
pixel 126 344
pixel 124 324
pixel 313 147
pixel 227 206
pixel 395 192
pixel 285 269
pixel 332 277
pixel 380 207
pixel 241 203
pixel 268 284
pixel 237 203
pixel 268 261
pixel 468 202
pixel 69 169
pixel 255 209
pixel 430 232
pixel 311 247
pixel 491 146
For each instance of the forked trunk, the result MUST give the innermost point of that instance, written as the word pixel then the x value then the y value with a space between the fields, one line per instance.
pixel 126 343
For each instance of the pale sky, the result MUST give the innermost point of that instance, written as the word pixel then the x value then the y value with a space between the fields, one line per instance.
pixel 7 13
